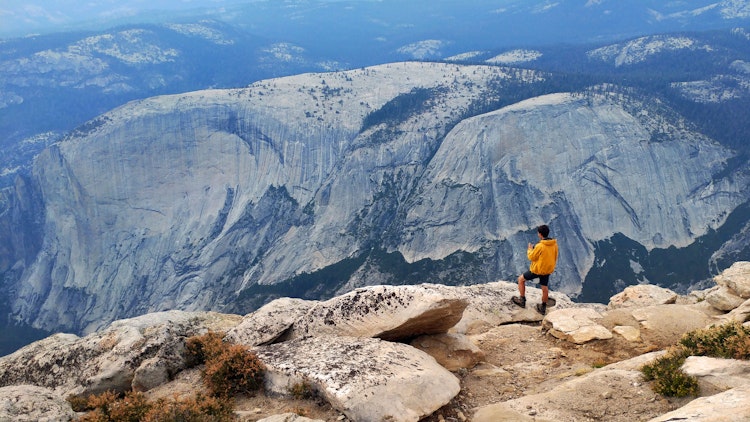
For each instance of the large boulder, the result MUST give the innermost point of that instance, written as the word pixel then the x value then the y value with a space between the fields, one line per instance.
pixel 642 295
pixel 736 278
pixel 740 314
pixel 723 298
pixel 387 312
pixel 664 325
pixel 716 375
pixel 729 406
pixel 136 353
pixel 366 379
pixel 270 322
pixel 576 325
pixel 29 403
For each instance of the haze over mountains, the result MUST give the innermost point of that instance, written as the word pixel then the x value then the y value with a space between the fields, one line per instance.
pixel 628 136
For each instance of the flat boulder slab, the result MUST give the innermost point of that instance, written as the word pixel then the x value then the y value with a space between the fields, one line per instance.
pixel 502 413
pixel 289 417
pixel 29 403
pixel 137 353
pixel 366 379
pixel 642 295
pixel 736 278
pixel 729 406
pixel 452 351
pixel 391 313
pixel 576 325
pixel 585 398
pixel 664 325
pixel 270 322
pixel 717 375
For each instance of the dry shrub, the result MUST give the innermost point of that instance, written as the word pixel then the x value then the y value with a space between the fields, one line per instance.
pixel 236 370
pixel 134 407
pixel 200 349
pixel 229 368
pixel 109 407
pixel 195 409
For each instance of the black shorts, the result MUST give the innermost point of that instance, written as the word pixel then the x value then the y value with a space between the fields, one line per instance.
pixel 543 279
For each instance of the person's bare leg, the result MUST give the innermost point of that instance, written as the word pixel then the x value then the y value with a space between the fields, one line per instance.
pixel 545 293
pixel 521 286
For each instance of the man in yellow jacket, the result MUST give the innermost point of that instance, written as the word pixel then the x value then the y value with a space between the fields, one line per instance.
pixel 543 257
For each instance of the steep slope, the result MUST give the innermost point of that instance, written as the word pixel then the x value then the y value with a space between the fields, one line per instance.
pixel 209 200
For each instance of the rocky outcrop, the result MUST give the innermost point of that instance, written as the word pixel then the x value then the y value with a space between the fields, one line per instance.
pixel 366 379
pixel 736 279
pixel 389 312
pixel 137 353
pixel 642 295
pixel 270 322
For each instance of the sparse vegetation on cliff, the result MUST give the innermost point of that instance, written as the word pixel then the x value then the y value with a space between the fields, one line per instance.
pixel 730 341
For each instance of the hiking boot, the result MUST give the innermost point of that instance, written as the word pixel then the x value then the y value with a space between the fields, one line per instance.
pixel 541 308
pixel 519 300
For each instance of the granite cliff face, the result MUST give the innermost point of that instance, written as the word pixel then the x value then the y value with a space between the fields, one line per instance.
pixel 191 201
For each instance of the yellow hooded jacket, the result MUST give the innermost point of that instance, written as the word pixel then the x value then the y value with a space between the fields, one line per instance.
pixel 543 257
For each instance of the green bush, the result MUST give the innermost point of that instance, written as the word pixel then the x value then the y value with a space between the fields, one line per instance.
pixel 729 341
pixel 668 377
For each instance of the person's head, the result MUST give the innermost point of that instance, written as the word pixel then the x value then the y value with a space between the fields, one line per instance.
pixel 543 230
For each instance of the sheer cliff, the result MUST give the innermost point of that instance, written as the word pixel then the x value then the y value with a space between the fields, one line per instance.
pixel 222 199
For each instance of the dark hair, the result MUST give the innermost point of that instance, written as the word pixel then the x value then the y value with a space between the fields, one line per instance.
pixel 543 230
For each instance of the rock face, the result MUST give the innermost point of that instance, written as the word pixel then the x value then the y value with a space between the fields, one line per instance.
pixel 196 201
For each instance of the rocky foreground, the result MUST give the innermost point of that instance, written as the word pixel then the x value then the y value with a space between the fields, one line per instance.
pixel 410 353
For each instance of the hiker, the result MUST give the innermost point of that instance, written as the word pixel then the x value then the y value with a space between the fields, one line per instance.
pixel 543 257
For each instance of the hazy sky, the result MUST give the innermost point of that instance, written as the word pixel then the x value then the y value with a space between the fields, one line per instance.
pixel 22 17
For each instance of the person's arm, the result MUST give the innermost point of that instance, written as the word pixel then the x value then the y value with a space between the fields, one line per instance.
pixel 534 252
